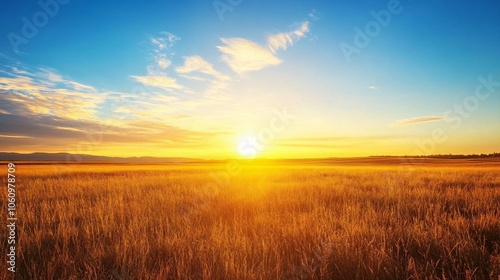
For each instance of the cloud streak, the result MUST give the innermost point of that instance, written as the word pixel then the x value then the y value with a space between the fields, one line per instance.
pixel 197 64
pixel 19 131
pixel 163 82
pixel 44 92
pixel 243 55
pixel 420 120
pixel 282 41
pixel 161 53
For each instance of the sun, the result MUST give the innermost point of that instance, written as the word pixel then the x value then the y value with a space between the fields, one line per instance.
pixel 249 146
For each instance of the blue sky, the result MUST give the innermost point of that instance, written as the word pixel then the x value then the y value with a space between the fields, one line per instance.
pixel 176 78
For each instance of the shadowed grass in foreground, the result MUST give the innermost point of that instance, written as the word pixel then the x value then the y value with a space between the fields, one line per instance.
pixel 272 222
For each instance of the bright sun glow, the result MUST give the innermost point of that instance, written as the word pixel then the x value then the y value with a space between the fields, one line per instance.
pixel 248 146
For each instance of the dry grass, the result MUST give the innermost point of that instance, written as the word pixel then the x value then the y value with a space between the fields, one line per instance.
pixel 270 222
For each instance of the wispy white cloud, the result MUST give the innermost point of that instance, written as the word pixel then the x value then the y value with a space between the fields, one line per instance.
pixel 419 120
pixel 54 77
pixel 163 82
pixel 161 53
pixel 243 55
pixel 282 41
pixel 41 91
pixel 165 41
pixel 314 15
pixel 195 78
pixel 198 64
pixel 16 70
pixel 81 87
pixel 163 62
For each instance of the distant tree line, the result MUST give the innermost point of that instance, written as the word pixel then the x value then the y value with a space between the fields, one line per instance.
pixel 450 156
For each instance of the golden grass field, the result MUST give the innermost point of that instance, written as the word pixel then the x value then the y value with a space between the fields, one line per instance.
pixel 437 220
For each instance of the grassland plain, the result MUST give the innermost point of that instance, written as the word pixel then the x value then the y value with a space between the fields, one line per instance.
pixel 437 220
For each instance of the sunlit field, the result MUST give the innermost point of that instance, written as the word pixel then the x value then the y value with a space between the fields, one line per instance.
pixel 245 220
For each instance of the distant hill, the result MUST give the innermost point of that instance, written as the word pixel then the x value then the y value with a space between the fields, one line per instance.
pixel 66 157
pixel 82 158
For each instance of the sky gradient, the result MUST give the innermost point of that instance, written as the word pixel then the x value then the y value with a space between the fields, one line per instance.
pixel 229 79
